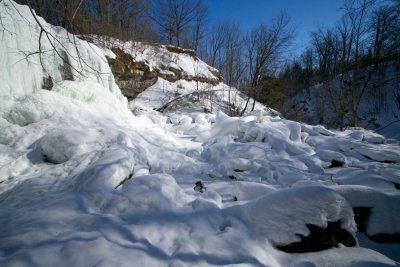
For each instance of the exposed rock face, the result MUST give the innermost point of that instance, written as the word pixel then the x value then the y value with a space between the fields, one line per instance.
pixel 179 50
pixel 179 75
pixel 131 77
pixel 321 239
pixel 361 216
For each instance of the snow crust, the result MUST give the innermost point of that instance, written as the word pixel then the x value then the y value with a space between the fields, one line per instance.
pixel 85 182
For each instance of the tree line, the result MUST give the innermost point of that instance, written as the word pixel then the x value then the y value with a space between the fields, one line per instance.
pixel 178 22
pixel 350 61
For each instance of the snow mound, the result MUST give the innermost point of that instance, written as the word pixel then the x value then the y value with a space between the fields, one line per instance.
pixel 63 144
pixel 271 218
pixel 384 217
pixel 148 194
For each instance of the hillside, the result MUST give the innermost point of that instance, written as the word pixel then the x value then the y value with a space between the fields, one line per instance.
pixel 88 180
pixel 165 77
pixel 378 110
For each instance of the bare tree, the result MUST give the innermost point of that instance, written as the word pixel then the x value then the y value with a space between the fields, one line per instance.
pixel 226 53
pixel 359 77
pixel 215 45
pixel 199 26
pixel 123 19
pixel 175 17
pixel 307 58
pixel 131 18
pixel 264 46
pixel 234 65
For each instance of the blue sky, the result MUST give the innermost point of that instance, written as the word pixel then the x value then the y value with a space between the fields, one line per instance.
pixel 306 15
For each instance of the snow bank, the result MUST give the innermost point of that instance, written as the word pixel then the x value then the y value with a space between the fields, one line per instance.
pixel 384 208
pixel 271 218
pixel 61 145
pixel 150 194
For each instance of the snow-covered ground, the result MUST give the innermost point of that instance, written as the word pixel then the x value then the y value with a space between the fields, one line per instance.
pixel 85 182
pixel 189 96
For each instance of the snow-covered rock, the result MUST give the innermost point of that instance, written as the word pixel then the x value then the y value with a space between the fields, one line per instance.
pixel 137 66
pixel 271 218
pixel 170 62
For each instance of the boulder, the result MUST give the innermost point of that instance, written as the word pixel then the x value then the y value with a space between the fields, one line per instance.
pixel 321 239
pixel 131 77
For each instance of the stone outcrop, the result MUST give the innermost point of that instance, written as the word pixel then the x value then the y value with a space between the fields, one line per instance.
pixel 178 74
pixel 321 239
pixel 361 217
pixel 134 76
pixel 179 50
pixel 131 77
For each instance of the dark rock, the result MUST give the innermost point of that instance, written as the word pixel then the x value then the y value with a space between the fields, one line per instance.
pixel 199 187
pixel 66 68
pixel 47 82
pixel 179 50
pixel 180 75
pixel 336 163
pixel 361 215
pixel 320 239
pixel 124 180
pixel 131 77
pixel 382 161
pixel 396 185
pixel 385 238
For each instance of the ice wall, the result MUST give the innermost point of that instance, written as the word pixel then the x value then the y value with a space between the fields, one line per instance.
pixel 36 55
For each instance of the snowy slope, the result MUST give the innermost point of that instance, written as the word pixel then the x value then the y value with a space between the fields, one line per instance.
pixel 184 95
pixel 315 106
pixel 183 80
pixel 84 182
